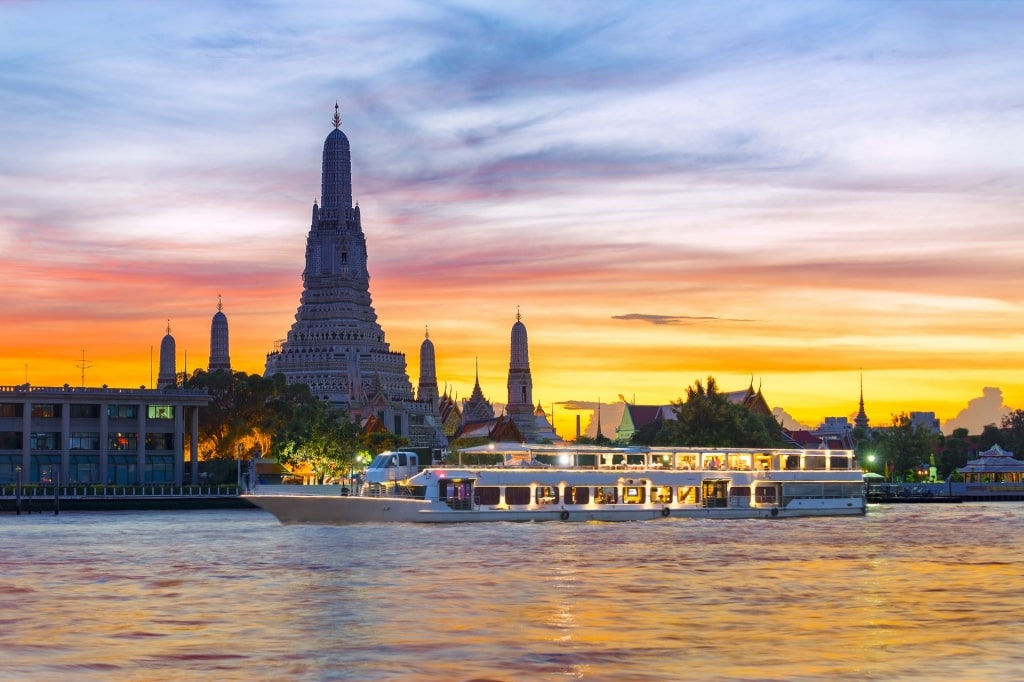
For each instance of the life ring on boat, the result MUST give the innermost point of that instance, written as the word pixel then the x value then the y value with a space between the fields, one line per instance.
pixel 564 515
pixel 666 511
pixel 775 511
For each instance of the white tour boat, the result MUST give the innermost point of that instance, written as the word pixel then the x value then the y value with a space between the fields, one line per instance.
pixel 585 483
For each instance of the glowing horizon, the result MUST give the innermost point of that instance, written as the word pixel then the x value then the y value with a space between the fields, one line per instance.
pixel 787 194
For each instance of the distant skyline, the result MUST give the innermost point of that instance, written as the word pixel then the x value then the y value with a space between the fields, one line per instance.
pixel 787 193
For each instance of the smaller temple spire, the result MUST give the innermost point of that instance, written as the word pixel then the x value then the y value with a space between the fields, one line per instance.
pixel 168 327
pixel 220 304
pixel 519 316
pixel 337 116
pixel 861 419
pixel 426 331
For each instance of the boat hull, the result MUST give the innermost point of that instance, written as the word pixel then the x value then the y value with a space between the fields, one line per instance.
pixel 337 510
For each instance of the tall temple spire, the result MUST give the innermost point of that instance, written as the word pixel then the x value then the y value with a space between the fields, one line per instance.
pixel 168 376
pixel 520 382
pixel 336 345
pixel 219 356
pixel 336 181
pixel 861 419
pixel 428 371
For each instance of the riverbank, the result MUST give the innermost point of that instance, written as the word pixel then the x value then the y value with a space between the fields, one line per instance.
pixel 38 505
pixel 37 499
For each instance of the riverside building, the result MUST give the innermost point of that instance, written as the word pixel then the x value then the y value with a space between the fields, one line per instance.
pixel 116 436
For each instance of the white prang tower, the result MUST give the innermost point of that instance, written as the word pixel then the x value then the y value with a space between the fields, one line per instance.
pixel 336 346
pixel 520 383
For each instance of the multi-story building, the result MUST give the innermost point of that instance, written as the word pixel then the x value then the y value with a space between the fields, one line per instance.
pixel 119 436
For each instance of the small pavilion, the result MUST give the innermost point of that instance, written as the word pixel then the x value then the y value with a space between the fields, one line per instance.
pixel 995 465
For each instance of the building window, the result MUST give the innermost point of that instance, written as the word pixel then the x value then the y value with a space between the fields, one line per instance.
pixel 44 469
pixel 122 411
pixel 10 440
pixel 160 469
pixel 84 440
pixel 160 412
pixel 121 470
pixel 123 441
pixel 45 410
pixel 159 441
pixel 11 409
pixel 9 464
pixel 45 440
pixel 85 411
pixel 83 469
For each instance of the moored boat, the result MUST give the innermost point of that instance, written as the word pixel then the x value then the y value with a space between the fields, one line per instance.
pixel 589 483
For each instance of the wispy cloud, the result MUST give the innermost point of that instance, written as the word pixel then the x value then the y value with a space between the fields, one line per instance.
pixel 675 319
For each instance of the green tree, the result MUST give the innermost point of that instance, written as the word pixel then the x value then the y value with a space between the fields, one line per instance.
pixel 258 413
pixel 990 435
pixel 708 418
pixel 1013 432
pixel 377 442
pixel 330 448
pixel 955 452
pixel 904 446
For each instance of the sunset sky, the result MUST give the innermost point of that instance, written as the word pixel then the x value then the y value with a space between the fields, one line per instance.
pixel 776 192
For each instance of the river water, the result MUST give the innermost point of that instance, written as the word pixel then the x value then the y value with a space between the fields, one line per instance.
pixel 907 592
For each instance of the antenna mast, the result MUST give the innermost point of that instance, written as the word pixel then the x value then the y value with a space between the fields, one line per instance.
pixel 83 366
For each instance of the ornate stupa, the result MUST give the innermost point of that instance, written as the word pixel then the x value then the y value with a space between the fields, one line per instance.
pixel 520 383
pixel 168 375
pixel 477 408
pixel 336 346
pixel 427 390
pixel 219 357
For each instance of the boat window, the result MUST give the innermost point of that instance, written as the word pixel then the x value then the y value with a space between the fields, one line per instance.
pixel 634 495
pixel 713 462
pixel 687 495
pixel 739 462
pixel 382 462
pixel 546 494
pixel 661 494
pixel 517 494
pixel 792 462
pixel 816 462
pixel 804 490
pixel 635 460
pixel 577 495
pixel 606 494
pixel 762 461
pixel 739 491
pixel 488 494
pixel 765 494
pixel 686 461
pixel 839 462
pixel 401 459
pixel 834 490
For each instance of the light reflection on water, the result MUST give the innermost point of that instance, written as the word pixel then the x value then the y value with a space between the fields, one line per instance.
pixel 906 592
